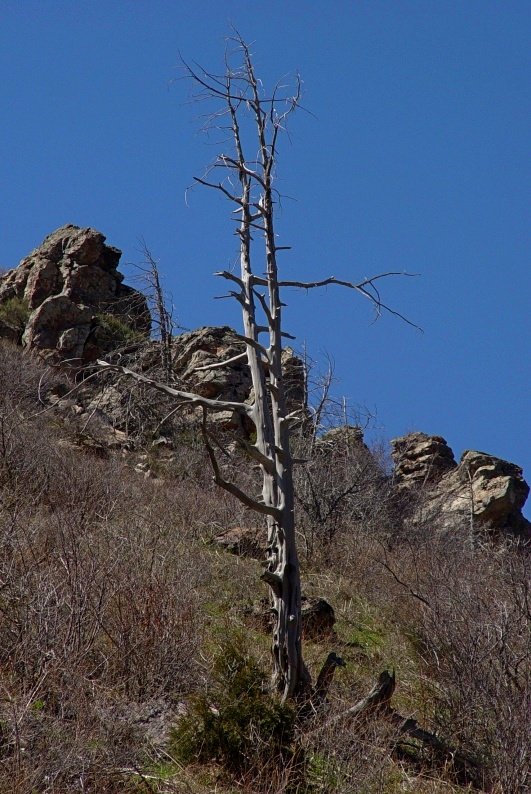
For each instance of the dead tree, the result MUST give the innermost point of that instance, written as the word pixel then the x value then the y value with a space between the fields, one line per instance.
pixel 254 121
pixel 151 287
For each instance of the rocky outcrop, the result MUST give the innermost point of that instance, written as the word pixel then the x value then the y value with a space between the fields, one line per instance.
pixel 482 491
pixel 340 439
pixel 209 361
pixel 421 459
pixel 69 286
pixel 487 489
pixel 195 352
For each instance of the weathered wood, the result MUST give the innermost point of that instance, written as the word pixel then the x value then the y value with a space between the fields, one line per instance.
pixel 378 702
pixel 325 678
pixel 467 769
pixel 378 699
pixel 240 92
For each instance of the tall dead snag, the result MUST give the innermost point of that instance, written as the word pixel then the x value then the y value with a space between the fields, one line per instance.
pixel 161 315
pixel 254 120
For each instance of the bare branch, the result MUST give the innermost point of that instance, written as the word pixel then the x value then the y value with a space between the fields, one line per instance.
pixel 219 186
pixel 265 307
pixel 230 276
pixel 247 500
pixel 378 698
pixel 254 344
pixel 233 360
pixel 189 397
pixel 361 287
pixel 333 280
pixel 222 93
pixel 403 584
pixel 230 162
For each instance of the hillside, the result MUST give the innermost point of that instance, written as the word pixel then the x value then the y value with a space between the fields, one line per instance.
pixel 135 647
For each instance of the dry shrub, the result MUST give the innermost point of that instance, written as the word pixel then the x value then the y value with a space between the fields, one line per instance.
pixel 476 643
pixel 23 379
pixel 100 619
pixel 92 618
pixel 465 605
pixel 342 491
pixel 103 577
pixel 467 608
pixel 351 756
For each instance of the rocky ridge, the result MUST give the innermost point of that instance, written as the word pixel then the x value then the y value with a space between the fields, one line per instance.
pixel 481 492
pixel 66 301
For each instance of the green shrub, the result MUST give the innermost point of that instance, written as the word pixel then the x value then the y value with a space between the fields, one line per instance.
pixel 237 723
pixel 113 331
pixel 15 312
pixel 323 774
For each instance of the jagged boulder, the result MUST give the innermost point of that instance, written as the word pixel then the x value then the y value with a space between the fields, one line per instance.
pixel 490 490
pixel 481 491
pixel 421 459
pixel 68 286
pixel 342 438
pixel 195 352
pixel 209 361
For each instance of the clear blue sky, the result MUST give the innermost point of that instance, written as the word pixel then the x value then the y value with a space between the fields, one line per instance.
pixel 416 158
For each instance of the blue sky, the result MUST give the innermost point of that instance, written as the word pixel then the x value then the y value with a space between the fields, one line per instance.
pixel 415 157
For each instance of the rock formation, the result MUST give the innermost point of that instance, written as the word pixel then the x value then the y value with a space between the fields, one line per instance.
pixel 198 365
pixel 67 301
pixel 421 459
pixel 195 352
pixel 482 492
pixel 69 287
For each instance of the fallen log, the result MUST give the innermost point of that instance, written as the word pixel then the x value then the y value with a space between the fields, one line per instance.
pixel 468 770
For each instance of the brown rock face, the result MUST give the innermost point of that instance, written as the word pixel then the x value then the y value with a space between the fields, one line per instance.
pixel 65 284
pixel 195 353
pixel 482 491
pixel 490 489
pixel 421 459
pixel 211 345
pixel 206 347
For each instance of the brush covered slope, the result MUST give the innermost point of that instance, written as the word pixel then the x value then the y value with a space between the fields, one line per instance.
pixel 135 649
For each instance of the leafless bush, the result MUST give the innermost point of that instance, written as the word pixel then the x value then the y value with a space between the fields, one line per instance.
pixel 99 608
pixel 24 379
pixel 468 606
pixel 351 757
pixel 342 491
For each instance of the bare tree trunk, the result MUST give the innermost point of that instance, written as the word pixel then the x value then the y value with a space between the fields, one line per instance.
pixel 240 96
pixel 156 299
